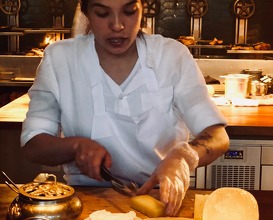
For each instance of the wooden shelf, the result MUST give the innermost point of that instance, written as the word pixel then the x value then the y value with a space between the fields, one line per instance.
pixel 207 46
pixel 250 51
pixel 23 31
pixel 46 30
pixel 8 33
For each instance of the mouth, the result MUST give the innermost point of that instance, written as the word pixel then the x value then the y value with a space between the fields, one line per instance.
pixel 117 41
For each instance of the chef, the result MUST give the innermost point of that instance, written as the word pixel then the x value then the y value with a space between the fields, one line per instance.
pixel 125 99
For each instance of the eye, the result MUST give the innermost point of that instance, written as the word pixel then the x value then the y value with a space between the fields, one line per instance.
pixel 102 14
pixel 131 10
pixel 99 11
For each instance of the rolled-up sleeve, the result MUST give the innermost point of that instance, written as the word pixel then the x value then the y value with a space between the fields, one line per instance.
pixel 192 99
pixel 176 67
pixel 43 115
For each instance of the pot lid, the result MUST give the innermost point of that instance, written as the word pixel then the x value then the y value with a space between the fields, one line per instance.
pixel 237 75
pixel 49 190
pixel 43 189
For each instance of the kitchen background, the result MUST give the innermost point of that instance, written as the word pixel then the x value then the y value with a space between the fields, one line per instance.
pixel 24 24
pixel 219 21
pixel 24 28
pixel 172 19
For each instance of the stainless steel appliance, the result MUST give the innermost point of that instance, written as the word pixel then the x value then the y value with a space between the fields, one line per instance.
pixel 239 167
pixel 246 165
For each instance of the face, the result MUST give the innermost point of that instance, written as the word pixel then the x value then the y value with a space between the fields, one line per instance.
pixel 114 23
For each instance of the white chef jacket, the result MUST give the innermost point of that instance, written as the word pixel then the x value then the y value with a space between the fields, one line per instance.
pixel 163 99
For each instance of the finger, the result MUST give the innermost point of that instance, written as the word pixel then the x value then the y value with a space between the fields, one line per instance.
pixel 95 164
pixel 80 161
pixel 148 185
pixel 179 202
pixel 171 200
pixel 107 160
pixel 175 200
pixel 165 185
pixel 179 205
pixel 170 209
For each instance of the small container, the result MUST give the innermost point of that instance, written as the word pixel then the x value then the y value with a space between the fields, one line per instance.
pixel 255 73
pixel 237 85
pixel 268 80
pixel 258 88
pixel 45 200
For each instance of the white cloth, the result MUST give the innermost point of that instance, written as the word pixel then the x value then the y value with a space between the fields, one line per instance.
pixel 167 94
pixel 105 215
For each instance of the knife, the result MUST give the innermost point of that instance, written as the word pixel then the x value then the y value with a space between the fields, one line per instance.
pixel 127 189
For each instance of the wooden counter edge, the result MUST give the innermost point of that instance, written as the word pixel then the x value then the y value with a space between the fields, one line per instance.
pixel 243 122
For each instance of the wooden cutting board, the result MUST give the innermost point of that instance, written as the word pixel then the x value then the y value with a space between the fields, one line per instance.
pixel 169 218
pixel 94 199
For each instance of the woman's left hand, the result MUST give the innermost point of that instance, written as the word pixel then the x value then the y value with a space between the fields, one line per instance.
pixel 173 177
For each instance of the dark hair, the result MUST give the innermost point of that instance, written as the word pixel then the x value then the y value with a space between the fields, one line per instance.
pixel 84 5
pixel 84 9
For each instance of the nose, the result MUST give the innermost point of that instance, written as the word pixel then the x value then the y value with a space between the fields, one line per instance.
pixel 117 23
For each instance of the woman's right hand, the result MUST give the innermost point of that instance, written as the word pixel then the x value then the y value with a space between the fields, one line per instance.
pixel 49 150
pixel 89 155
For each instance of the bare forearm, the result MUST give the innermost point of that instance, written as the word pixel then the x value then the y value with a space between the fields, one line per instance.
pixel 210 144
pixel 49 150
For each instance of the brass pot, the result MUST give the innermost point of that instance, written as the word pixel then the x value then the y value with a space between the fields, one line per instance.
pixel 47 200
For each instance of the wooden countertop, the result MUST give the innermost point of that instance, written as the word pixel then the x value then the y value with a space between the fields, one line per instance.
pixel 15 111
pixel 105 198
pixel 242 121
pixel 101 198
pixel 248 116
pixel 249 122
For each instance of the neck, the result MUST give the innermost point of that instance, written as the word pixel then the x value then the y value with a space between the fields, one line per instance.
pixel 118 67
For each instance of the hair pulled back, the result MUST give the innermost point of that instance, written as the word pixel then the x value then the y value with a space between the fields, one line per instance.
pixel 84 5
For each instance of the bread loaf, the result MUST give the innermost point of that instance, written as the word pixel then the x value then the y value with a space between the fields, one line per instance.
pixel 229 203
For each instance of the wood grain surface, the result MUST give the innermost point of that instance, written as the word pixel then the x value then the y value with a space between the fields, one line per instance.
pixel 243 122
pixel 168 218
pixel 104 198
pixel 15 111
pixel 260 116
pixel 94 199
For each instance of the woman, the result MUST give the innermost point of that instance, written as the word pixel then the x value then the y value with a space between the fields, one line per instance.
pixel 126 100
